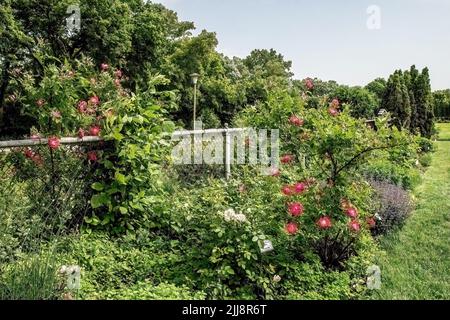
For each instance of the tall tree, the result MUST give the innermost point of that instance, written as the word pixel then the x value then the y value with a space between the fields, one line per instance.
pixel 411 81
pixel 378 88
pixel 425 114
pixel 135 35
pixel 396 100
pixel 363 103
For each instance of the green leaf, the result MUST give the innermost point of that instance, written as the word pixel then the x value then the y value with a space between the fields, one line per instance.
pixel 106 220
pixel 99 200
pixel 123 210
pixel 108 164
pixel 120 178
pixel 117 135
pixel 97 186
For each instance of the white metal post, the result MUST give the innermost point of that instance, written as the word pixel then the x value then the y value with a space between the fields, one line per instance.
pixel 227 153
pixel 195 105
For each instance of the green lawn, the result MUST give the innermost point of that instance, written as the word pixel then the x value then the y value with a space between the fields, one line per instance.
pixel 417 260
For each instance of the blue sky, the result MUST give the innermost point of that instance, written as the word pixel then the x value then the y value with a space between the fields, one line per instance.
pixel 329 39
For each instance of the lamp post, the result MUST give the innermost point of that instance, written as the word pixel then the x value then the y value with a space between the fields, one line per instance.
pixel 194 78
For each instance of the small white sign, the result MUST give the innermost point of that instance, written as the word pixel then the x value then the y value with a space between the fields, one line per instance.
pixel 266 246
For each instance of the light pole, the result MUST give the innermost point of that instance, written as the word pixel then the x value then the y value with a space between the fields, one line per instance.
pixel 194 78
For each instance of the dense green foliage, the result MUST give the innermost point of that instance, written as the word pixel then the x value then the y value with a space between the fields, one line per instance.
pixel 441 103
pixel 128 217
pixel 408 97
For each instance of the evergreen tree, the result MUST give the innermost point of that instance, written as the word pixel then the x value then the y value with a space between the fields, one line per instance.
pixel 393 97
pixel 405 111
pixel 424 113
pixel 396 100
pixel 410 81
pixel 409 98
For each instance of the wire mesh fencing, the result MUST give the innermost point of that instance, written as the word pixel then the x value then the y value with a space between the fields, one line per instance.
pixel 44 193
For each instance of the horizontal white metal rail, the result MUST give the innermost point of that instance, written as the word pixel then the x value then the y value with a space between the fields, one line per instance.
pixel 95 139
pixel 44 141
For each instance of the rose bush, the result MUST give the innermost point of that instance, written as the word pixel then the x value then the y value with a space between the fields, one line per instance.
pixel 79 100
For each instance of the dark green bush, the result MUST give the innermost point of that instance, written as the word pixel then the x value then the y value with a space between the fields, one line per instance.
pixel 425 145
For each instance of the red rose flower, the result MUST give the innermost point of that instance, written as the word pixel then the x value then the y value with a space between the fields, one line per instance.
pixel 351 212
pixel 354 226
pixel 287 158
pixel 371 222
pixel 28 153
pixel 287 190
pixel 333 112
pixel 299 187
pixel 335 103
pixel 53 143
pixel 296 209
pixel 296 121
pixel 94 100
pixel 309 84
pixel 104 66
pixel 82 105
pixel 291 228
pixel 324 223
pixel 94 130
pixel 92 156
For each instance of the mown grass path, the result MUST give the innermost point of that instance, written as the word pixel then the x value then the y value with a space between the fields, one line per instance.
pixel 417 260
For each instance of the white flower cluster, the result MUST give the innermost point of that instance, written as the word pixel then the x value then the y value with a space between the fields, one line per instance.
pixel 231 215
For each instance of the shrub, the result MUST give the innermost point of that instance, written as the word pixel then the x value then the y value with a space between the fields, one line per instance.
pixel 425 145
pixel 382 170
pixel 77 100
pixel 395 207
pixel 425 160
